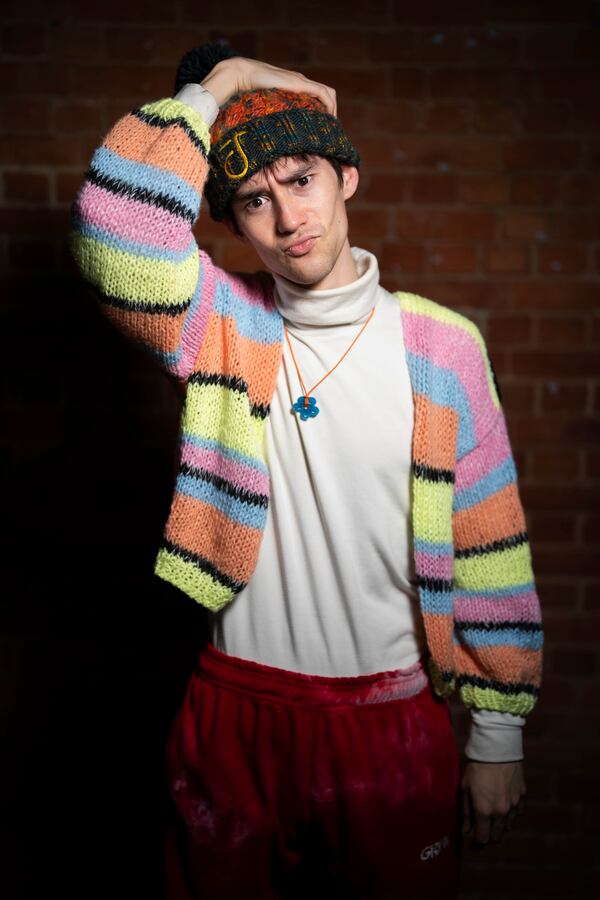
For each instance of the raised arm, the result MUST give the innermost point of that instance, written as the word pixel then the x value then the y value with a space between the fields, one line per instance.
pixel 132 219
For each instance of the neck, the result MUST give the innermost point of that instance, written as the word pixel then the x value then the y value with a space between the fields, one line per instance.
pixel 350 302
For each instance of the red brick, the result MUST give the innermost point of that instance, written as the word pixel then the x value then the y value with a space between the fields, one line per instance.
pixel 402 257
pixel 394 46
pixel 528 11
pixel 542 117
pixel 17 117
pixel 561 260
pixel 565 560
pixel 511 329
pixel 559 396
pixel 385 189
pixel 491 190
pixel 579 189
pixel 75 42
pixel 36 77
pixel 47 150
pixel 544 295
pixel 131 44
pixel 377 153
pixel 548 527
pixel 585 115
pixel 582 225
pixel 286 48
pixel 437 189
pixel 591 529
pixel 468 12
pixel 457 45
pixel 583 430
pixel 574 662
pixel 364 222
pixel 533 189
pixel 555 462
pixel 570 497
pixel 553 363
pixel 547 45
pixel 452 258
pixel 561 330
pixel 151 82
pixel 591 595
pixel 556 594
pixel 480 83
pixel 511 260
pixel 567 82
pixel 496 118
pixel 517 397
pixel 443 117
pixel 363 83
pixel 23 39
pixel 389 117
pixel 79 117
pixel 408 83
pixel 523 226
pixel 66 186
pixel 535 153
pixel 530 431
pixel 27 187
pixel 424 224
pixel 133 11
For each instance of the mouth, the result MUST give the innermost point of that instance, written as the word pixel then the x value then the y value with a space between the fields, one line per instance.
pixel 301 248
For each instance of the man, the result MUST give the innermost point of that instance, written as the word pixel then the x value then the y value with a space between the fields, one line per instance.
pixel 362 551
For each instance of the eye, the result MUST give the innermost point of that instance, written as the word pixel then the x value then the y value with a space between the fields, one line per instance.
pixel 303 178
pixel 254 200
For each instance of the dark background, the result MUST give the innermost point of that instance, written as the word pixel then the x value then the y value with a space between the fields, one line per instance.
pixel 478 127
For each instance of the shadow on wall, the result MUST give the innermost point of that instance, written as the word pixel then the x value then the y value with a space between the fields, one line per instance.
pixel 97 650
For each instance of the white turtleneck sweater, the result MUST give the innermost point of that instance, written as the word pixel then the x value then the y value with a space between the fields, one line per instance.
pixel 333 590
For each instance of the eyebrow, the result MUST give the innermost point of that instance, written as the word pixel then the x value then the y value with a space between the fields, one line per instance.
pixel 241 195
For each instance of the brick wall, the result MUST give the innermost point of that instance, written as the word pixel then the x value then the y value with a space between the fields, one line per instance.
pixel 478 127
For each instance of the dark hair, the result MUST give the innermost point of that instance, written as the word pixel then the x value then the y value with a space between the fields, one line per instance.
pixel 337 167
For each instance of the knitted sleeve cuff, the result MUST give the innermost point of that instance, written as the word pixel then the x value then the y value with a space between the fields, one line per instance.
pixel 495 736
pixel 200 99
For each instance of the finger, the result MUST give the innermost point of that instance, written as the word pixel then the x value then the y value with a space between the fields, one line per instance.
pixel 510 818
pixel 497 828
pixel 482 828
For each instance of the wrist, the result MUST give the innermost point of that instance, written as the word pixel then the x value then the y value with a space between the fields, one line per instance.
pixel 222 80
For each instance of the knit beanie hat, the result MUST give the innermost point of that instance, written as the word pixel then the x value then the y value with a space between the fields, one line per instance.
pixel 254 128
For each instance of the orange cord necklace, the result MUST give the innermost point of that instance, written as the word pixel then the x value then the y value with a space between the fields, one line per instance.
pixel 306 405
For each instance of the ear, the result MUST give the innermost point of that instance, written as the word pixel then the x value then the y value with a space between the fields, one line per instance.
pixel 234 230
pixel 351 179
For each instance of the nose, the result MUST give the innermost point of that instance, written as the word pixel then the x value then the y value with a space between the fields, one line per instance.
pixel 289 215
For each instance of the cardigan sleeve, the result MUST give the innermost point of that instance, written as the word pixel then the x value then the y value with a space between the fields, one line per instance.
pixel 498 633
pixel 131 233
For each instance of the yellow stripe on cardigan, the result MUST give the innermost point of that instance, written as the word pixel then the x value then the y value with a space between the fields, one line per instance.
pixel 190 579
pixel 169 109
pixel 423 306
pixel 495 569
pixel 432 510
pixel 136 278
pixel 217 413
pixel 519 704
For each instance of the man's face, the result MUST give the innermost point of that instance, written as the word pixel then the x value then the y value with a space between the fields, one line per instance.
pixel 294 215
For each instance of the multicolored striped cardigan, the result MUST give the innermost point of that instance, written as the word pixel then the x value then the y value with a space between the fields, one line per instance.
pixel 221 335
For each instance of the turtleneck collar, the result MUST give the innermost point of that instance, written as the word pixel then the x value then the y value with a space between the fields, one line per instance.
pixel 349 304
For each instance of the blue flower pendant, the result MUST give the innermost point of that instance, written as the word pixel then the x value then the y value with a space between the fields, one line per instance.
pixel 306 412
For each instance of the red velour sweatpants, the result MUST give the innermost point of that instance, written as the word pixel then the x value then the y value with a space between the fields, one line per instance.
pixel 282 782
